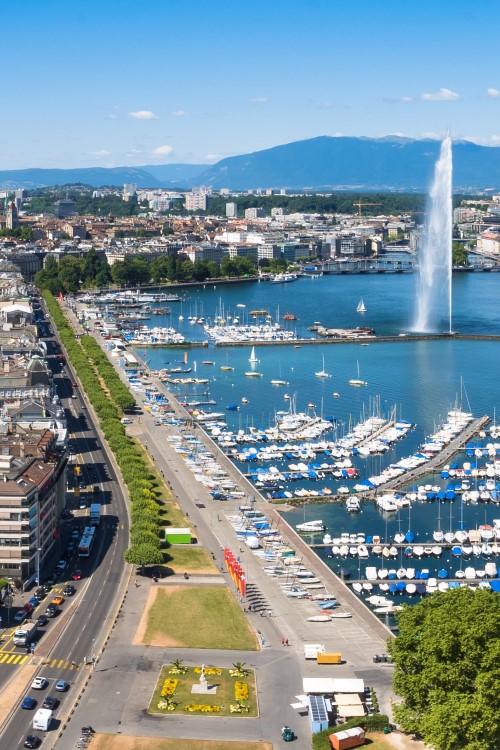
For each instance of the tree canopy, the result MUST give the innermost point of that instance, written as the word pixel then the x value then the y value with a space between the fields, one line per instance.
pixel 447 670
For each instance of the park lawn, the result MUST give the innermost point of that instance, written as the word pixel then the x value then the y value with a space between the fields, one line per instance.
pixel 124 742
pixel 184 558
pixel 224 697
pixel 199 617
pixel 172 515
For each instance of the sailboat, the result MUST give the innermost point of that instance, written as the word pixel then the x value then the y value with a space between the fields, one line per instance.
pixel 357 381
pixel 323 373
pixel 361 308
pixel 253 356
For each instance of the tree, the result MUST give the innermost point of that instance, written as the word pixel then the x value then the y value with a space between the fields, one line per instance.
pixel 447 670
pixel 143 555
pixel 460 254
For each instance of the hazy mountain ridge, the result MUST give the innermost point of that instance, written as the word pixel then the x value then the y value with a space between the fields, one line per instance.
pixel 392 162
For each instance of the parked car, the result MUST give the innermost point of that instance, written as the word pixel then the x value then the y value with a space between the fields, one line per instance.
pixel 34 601
pixel 39 683
pixel 20 616
pixel 28 703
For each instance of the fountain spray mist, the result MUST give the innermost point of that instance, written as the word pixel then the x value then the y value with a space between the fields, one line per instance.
pixel 434 302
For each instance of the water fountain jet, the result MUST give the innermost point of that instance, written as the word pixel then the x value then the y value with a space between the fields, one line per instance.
pixel 434 300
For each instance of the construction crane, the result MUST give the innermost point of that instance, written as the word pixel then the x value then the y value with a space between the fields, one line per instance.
pixel 364 204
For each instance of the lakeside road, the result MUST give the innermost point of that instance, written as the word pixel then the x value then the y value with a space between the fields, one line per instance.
pixel 115 702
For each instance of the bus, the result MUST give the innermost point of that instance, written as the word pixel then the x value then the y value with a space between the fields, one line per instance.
pixel 86 541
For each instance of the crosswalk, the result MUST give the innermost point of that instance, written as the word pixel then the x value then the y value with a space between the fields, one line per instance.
pixel 13 659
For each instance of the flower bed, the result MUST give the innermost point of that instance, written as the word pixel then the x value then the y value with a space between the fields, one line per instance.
pixel 208 670
pixel 168 688
pixel 241 691
pixel 202 708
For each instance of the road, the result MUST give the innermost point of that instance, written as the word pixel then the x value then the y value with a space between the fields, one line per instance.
pixel 66 649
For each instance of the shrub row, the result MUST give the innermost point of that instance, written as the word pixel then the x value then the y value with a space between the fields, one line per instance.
pixel 145 512
pixel 117 390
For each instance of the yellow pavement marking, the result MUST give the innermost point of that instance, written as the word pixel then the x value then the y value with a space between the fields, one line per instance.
pixel 53 663
pixel 4 658
pixel 23 659
pixel 14 656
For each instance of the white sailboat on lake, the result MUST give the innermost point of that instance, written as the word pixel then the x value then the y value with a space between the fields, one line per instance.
pixel 361 308
pixel 253 356
pixel 357 381
pixel 323 373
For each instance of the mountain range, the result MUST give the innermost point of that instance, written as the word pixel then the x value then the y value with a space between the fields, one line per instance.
pixel 322 163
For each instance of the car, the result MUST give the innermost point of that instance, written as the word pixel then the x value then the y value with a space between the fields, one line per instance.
pixel 73 395
pixel 57 601
pixel 77 574
pixel 41 593
pixel 82 485
pixel 83 504
pixel 34 601
pixel 20 616
pixel 61 565
pixel 28 703
pixel 61 686
pixel 39 683
pixel 75 534
pixel 96 489
pixel 74 384
pixel 71 449
pixel 51 611
pixel 69 590
pixel 32 741
pixel 50 702
pixel 42 620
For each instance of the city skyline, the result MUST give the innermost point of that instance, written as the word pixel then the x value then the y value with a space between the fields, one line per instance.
pixel 108 85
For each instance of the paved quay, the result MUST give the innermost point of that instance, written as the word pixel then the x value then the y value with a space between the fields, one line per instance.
pixel 116 702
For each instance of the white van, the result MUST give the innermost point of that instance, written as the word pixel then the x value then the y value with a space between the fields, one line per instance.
pixel 126 420
pixel 42 719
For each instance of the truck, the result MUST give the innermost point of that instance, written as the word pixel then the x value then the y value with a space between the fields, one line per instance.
pixel 95 514
pixel 42 719
pixel 25 634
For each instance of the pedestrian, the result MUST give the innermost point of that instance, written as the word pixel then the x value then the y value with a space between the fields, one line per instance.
pixel 84 661
pixel 282 641
pixel 286 642
pixel 73 663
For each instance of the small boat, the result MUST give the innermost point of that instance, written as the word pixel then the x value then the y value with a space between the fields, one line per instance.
pixel 309 526
pixel 323 373
pixel 253 356
pixel 319 618
pixel 289 316
pixel 340 615
pixel 335 394
pixel 361 308
pixel 207 362
pixel 279 382
pixel 357 381
pixel 244 400
pixel 226 368
pixel 251 374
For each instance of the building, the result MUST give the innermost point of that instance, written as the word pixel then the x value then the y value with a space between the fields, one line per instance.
pixel 12 216
pixel 254 213
pixel 65 208
pixel 488 243
pixel 32 496
pixel 231 210
pixel 130 188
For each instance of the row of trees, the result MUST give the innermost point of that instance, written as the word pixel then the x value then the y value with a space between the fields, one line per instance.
pixel 43 201
pixel 94 370
pixel 71 274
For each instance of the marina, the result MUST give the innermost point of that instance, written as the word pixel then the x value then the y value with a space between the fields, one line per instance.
pixel 242 423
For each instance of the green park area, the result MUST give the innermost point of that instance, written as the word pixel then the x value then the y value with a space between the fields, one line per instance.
pixel 188 559
pixel 232 691
pixel 124 742
pixel 198 617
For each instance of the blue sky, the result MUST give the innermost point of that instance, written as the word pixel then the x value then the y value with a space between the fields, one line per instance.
pixel 161 81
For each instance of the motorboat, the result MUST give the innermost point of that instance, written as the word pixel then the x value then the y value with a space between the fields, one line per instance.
pixel 310 526
pixel 353 505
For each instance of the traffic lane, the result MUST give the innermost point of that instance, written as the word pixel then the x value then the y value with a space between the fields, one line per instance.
pixel 21 723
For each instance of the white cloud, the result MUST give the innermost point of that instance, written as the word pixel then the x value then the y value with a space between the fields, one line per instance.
pixel 430 135
pixel 101 153
pixel 259 100
pixel 443 95
pixel 406 99
pixel 179 113
pixel 493 93
pixel 162 151
pixel 143 114
pixel 213 157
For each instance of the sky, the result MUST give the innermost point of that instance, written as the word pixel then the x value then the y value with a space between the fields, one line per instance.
pixel 108 83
